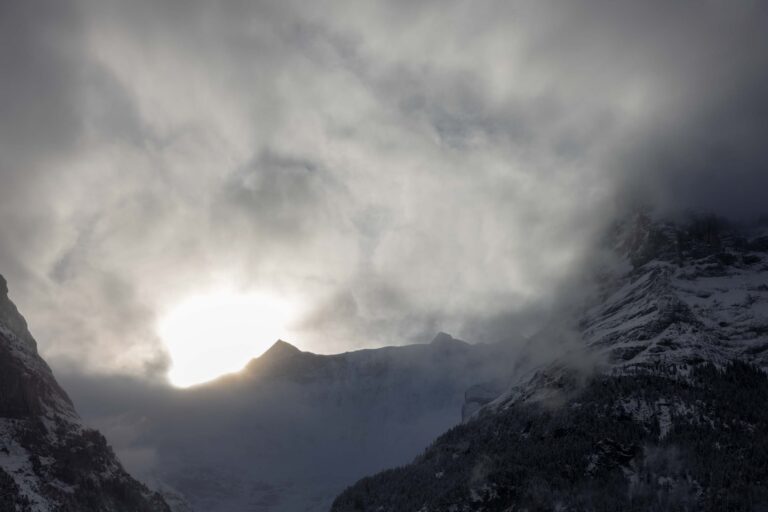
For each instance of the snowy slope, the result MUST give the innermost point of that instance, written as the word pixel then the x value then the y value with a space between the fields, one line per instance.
pixel 696 298
pixel 674 296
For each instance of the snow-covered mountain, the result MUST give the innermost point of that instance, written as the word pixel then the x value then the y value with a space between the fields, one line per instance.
pixel 687 293
pixel 292 429
pixel 50 462
pixel 661 407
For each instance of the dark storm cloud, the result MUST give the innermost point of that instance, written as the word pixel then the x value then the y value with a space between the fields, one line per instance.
pixel 398 168
pixel 704 149
pixel 714 153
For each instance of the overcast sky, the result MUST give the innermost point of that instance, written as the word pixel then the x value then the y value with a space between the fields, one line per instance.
pixel 393 168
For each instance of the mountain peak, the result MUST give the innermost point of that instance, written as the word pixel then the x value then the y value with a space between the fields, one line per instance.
pixel 3 286
pixel 280 353
pixel 280 349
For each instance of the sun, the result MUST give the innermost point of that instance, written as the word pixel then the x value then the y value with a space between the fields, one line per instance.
pixel 212 334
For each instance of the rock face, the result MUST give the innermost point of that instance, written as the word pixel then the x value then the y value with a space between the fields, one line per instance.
pixel 697 292
pixel 49 462
pixel 663 407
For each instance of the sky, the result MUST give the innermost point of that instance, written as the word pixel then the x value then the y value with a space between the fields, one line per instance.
pixel 387 170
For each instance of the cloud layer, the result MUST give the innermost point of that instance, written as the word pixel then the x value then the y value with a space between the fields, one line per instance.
pixel 395 168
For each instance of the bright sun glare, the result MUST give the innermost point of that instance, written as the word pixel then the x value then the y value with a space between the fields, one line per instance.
pixel 213 334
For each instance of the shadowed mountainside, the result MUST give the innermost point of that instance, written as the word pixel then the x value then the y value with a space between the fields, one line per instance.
pixel 49 461
pixel 667 418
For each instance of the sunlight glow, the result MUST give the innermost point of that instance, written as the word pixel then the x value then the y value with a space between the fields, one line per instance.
pixel 212 334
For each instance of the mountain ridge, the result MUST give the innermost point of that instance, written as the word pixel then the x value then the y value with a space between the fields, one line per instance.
pixel 296 412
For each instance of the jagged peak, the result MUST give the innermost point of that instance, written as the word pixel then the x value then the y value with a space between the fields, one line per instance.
pixel 3 285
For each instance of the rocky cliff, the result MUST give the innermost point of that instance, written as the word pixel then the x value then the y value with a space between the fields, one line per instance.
pixel 49 461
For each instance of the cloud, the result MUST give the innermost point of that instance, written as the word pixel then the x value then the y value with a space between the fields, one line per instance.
pixel 398 168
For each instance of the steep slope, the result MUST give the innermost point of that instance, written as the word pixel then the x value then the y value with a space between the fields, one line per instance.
pixel 699 291
pixel 668 417
pixel 49 462
pixel 293 428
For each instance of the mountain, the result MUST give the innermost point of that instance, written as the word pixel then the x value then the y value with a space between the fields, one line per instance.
pixel 662 406
pixel 293 428
pixel 49 462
